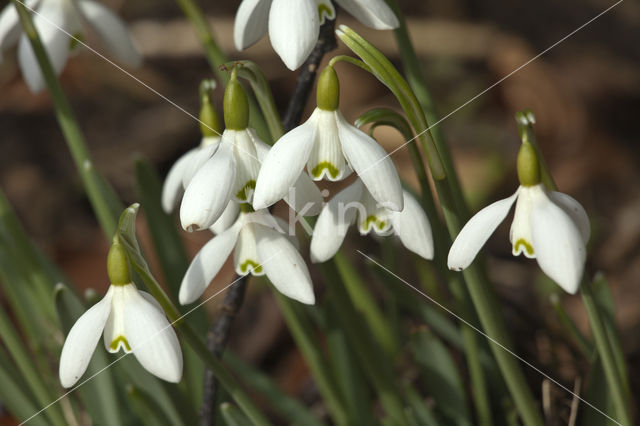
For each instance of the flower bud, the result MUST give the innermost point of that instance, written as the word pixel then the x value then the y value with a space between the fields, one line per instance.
pixel 528 166
pixel 118 265
pixel 236 105
pixel 210 124
pixel 328 92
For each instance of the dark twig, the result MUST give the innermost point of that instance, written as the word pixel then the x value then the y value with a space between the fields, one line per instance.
pixel 216 342
pixel 304 83
pixel 219 331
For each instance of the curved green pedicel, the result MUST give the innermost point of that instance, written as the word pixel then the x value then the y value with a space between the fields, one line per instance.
pixel 325 165
pixel 244 191
pixel 116 342
pixel 244 267
pixel 373 219
pixel 118 265
pixel 527 246
pixel 328 90
pixel 528 165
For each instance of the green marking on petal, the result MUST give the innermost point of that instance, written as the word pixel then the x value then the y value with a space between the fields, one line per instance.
pixel 527 246
pixel 244 267
pixel 75 41
pixel 116 342
pixel 325 11
pixel 243 194
pixel 325 165
pixel 373 219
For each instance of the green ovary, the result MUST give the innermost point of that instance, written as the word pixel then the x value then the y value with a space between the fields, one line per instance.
pixel 527 247
pixel 325 165
pixel 249 186
pixel 116 342
pixel 244 267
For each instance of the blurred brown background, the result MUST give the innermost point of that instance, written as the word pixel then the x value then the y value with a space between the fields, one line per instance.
pixel 585 93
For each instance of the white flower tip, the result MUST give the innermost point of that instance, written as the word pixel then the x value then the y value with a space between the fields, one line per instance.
pixel 258 201
pixel 68 379
pixel 306 297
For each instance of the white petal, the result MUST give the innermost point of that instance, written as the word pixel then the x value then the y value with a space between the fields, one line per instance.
pixel 333 222
pixel 283 164
pixel 112 32
pixel 305 197
pixel 251 22
pixel 326 160
pixel 153 340
pixel 283 265
pixel 326 10
pixel 476 232
pixel 209 191
pixel 558 244
pixel 373 13
pixel 293 29
pixel 520 232
pixel 575 210
pixel 227 218
pixel 372 164
pixel 247 164
pixel 413 228
pixel 245 256
pixel 206 265
pixel 10 26
pixel 51 15
pixel 114 337
pixel 82 340
pixel 375 217
pixel 202 155
pixel 172 188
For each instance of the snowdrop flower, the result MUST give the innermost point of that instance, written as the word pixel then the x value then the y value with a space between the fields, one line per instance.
pixel 131 320
pixel 549 226
pixel 411 225
pixel 330 147
pixel 229 169
pixel 294 25
pixel 259 247
pixel 55 21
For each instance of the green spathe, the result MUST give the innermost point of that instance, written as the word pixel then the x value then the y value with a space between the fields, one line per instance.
pixel 328 93
pixel 528 165
pixel 118 265
pixel 236 105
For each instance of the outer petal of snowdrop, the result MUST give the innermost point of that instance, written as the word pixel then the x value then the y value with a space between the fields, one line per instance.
pixel 373 13
pixel 111 30
pixel 251 22
pixel 413 228
pixel 209 191
pixel 282 165
pixel 228 218
pixel 476 233
pixel 558 244
pixel 575 210
pixel 372 164
pixel 82 340
pixel 206 265
pixel 293 30
pixel 172 188
pixel 153 341
pixel 333 222
pixel 283 265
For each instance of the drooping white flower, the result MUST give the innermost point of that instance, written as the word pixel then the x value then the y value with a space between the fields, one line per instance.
pixel 549 226
pixel 227 172
pixel 353 203
pixel 330 148
pixel 131 320
pixel 55 21
pixel 294 25
pixel 260 247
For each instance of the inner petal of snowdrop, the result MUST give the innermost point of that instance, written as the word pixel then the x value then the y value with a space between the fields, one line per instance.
pixel 114 334
pixel 325 10
pixel 326 160
pixel 247 165
pixel 520 233
pixel 375 216
pixel 245 255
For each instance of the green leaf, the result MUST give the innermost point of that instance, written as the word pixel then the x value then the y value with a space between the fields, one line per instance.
pixel 14 395
pixel 289 408
pixel 99 394
pixel 148 412
pixel 421 411
pixel 441 378
pixel 232 416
